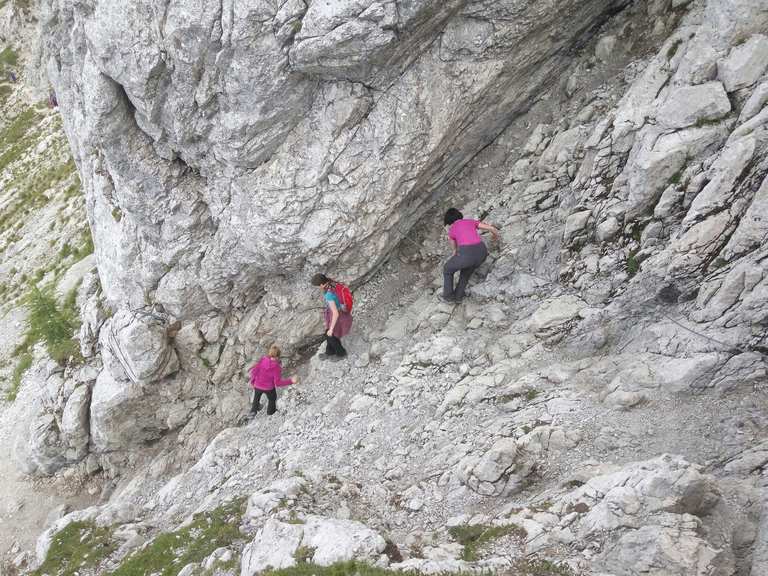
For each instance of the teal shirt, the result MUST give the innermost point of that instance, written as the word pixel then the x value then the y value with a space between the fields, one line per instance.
pixel 330 296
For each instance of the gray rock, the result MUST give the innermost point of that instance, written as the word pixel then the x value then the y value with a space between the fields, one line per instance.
pixel 123 414
pixel 75 421
pixel 688 105
pixel 140 345
pixel 604 49
pixel 745 63
pixel 325 540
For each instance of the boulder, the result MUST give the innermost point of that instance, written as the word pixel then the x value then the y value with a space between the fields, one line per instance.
pixel 274 547
pixel 554 313
pixel 139 344
pixel 75 428
pixel 745 64
pixel 123 414
pixel 689 105
pixel 319 540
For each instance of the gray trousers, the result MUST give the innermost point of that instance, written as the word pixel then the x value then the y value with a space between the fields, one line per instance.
pixel 466 261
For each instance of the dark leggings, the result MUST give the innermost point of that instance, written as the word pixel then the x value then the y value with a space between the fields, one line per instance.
pixel 467 259
pixel 333 346
pixel 271 400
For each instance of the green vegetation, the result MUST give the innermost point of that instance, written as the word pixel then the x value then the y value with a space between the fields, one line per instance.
pixel 24 363
pixel 476 536
pixel 51 325
pixel 633 264
pixel 677 177
pixel 535 567
pixel 117 214
pixel 8 59
pixel 523 567
pixel 529 394
pixel 718 263
pixel 79 546
pixel 5 91
pixel 232 565
pixel 170 552
pixel 673 49
pixel 701 122
pixel 14 139
pixel 304 554
pixel 338 569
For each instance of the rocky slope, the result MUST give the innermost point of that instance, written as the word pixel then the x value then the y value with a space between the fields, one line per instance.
pixel 44 242
pixel 598 404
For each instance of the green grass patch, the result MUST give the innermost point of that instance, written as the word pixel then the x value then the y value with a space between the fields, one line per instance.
pixel 168 553
pixel 633 264
pixel 304 554
pixel 24 363
pixel 32 194
pixel 9 58
pixel 79 546
pixel 51 324
pixel 476 536
pixel 5 91
pixel 536 567
pixel 14 139
pixel 339 569
pixel 673 49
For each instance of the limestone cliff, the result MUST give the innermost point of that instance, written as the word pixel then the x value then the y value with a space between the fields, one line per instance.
pixel 599 401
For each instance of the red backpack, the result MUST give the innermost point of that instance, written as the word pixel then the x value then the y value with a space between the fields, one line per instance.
pixel 344 294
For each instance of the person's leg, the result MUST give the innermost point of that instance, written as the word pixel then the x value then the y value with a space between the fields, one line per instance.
pixel 334 346
pixel 340 351
pixel 330 349
pixel 256 401
pixel 271 401
pixel 474 255
pixel 450 268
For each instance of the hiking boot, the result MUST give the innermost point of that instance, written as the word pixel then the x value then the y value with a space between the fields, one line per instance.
pixel 446 299
pixel 250 416
pixel 325 356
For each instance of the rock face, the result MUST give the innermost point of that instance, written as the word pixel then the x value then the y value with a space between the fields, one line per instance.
pixel 622 319
pixel 232 145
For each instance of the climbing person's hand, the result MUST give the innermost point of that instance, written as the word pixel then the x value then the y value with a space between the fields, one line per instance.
pixel 329 333
pixel 295 380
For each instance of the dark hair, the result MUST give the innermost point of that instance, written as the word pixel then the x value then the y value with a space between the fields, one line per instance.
pixel 451 216
pixel 320 279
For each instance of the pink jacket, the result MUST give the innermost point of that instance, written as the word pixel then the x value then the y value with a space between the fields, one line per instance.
pixel 266 375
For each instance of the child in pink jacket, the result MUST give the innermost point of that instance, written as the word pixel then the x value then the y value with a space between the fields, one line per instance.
pixel 265 378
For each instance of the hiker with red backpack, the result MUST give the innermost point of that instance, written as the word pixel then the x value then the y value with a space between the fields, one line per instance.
pixel 337 314
pixel 266 377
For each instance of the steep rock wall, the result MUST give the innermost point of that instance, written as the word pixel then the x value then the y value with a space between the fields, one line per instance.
pixel 231 148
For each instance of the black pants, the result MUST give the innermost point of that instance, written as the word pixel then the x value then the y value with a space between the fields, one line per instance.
pixel 333 346
pixel 466 261
pixel 271 401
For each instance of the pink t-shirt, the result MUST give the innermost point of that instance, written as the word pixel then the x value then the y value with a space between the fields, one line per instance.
pixel 464 232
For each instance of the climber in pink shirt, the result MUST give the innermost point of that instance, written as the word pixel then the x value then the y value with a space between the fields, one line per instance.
pixel 266 377
pixel 469 251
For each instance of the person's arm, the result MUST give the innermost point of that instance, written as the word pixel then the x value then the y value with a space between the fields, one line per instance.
pixel 491 229
pixel 334 316
pixel 254 375
pixel 279 380
pixel 454 246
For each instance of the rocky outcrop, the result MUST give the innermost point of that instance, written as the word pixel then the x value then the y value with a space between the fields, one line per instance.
pixel 622 319
pixel 283 140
